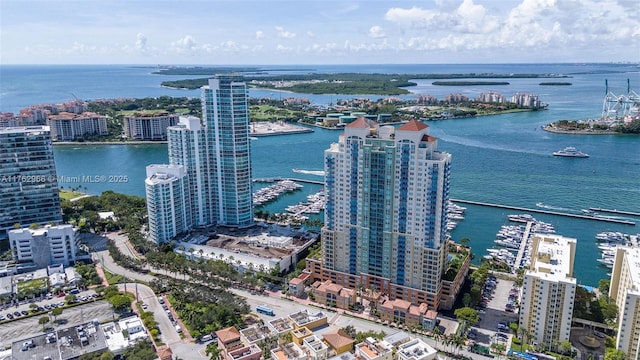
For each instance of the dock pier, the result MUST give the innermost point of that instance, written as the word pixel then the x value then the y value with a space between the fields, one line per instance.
pixel 577 216
pixel 614 211
pixel 523 246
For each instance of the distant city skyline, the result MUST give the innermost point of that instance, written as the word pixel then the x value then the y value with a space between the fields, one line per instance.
pixel 222 32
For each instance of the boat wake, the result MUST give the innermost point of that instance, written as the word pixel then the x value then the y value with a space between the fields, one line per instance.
pixel 309 172
pixel 544 206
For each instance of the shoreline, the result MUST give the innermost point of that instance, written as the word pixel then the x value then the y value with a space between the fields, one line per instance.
pixel 553 129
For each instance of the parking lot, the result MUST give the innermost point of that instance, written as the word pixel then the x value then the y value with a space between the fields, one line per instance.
pixel 494 319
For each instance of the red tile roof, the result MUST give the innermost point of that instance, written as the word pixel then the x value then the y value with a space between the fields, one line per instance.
pixel 338 339
pixel 360 122
pixel 227 335
pixel 413 125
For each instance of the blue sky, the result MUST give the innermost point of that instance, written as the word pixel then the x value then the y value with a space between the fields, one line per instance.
pixel 242 32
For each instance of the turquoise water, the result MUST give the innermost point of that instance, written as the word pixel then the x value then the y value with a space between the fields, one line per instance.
pixel 503 159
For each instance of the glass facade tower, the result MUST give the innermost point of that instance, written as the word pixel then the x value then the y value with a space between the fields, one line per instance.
pixel 225 109
pixel 28 182
pixel 386 216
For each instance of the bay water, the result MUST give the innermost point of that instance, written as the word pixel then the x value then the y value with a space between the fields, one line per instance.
pixel 504 159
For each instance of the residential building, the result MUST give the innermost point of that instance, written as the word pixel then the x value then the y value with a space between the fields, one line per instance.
pixel 548 290
pixel 339 341
pixel 67 126
pixel 225 111
pixel 251 352
pixel 288 351
pixel 385 218
pixel 374 349
pixel 306 319
pixel 28 181
pixel 334 295
pixel 228 340
pixel 299 334
pixel 44 246
pixel 216 157
pixel 625 291
pixel 147 126
pixel 168 202
pixel 416 349
pixel 317 349
pixel 297 284
pixel 187 146
pixel 403 312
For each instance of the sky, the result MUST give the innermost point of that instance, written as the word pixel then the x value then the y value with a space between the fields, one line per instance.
pixel 281 32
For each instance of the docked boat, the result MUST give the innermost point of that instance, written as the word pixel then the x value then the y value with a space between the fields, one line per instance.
pixel 570 151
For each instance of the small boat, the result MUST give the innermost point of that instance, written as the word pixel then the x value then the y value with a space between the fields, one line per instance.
pixel 570 151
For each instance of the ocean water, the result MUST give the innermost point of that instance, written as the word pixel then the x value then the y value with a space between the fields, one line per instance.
pixel 504 159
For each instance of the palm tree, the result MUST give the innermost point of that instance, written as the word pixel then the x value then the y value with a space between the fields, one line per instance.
pixel 437 334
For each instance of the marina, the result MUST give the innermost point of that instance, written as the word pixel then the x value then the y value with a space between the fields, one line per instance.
pixel 517 238
pixel 578 216
pixel 270 193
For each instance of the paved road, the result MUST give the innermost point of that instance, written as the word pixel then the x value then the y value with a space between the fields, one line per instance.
pixel 144 293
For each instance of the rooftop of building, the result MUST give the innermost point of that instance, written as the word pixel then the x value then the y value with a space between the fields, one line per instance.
pixel 288 351
pixel 25 129
pixel 304 317
pixel 373 348
pixel 256 245
pixel 281 325
pixel 417 349
pixel 552 260
pixel 228 335
pixel 314 343
pixel 632 258
pixel 337 339
pixel 255 333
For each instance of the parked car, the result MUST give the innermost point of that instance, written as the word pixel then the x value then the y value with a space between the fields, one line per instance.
pixel 9 316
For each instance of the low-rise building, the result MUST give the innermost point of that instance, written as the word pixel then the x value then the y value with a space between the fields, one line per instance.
pixel 255 333
pixel 297 284
pixel 339 341
pixel 251 352
pixel 229 339
pixel 374 349
pixel 306 319
pixel 334 295
pixel 45 245
pixel 289 351
pixel 317 349
pixel 299 334
pixel 416 349
pixel 403 312
pixel 280 325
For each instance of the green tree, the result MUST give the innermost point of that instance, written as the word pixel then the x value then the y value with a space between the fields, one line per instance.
pixel 212 351
pixel 350 330
pixel 603 286
pixel 466 299
pixel 467 315
pixel 614 354
pixel 56 312
pixel 43 320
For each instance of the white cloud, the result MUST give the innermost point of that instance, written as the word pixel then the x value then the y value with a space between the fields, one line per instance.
pixel 282 33
pixel 189 46
pixel 141 42
pixel 283 48
pixel 376 32
pixel 311 34
pixel 259 34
